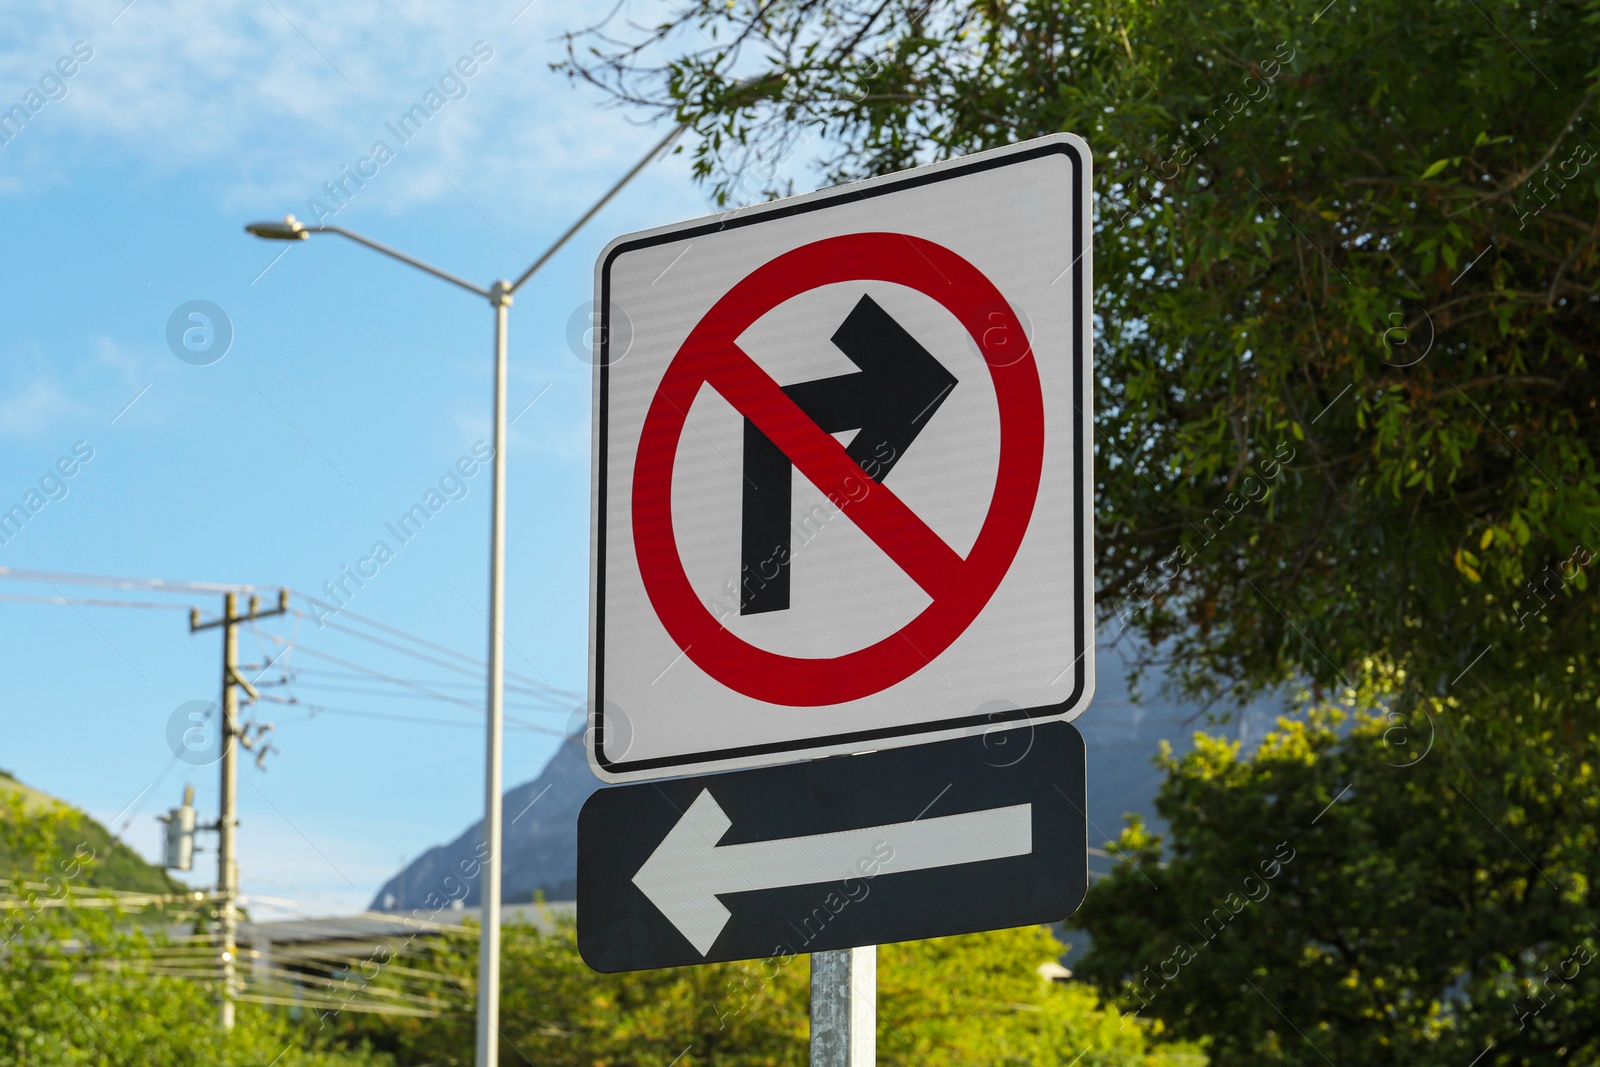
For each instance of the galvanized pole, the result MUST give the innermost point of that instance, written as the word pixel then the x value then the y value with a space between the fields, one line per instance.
pixel 488 1046
pixel 844 1007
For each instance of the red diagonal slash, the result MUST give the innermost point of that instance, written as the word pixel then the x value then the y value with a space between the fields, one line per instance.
pixel 959 588
pixel 881 515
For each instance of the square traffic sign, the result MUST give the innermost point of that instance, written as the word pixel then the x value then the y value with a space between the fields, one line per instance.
pixel 843 477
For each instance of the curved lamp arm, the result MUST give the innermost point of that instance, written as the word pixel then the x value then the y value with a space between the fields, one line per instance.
pixel 292 229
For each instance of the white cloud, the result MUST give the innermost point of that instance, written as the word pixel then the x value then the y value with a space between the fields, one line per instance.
pixel 270 100
pixel 37 405
pixel 111 354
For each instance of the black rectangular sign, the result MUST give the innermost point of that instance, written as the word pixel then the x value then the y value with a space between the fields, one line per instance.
pixel 979 833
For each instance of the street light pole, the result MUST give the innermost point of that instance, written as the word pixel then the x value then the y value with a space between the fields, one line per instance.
pixel 499 296
pixel 488 1051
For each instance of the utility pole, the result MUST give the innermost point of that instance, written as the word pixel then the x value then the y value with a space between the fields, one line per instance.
pixel 227 817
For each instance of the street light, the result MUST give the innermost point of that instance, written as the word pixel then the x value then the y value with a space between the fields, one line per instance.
pixel 290 229
pixel 499 296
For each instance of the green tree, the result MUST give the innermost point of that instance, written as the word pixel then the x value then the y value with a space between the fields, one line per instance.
pixel 1361 895
pixel 74 982
pixel 116 865
pixel 1347 258
pixel 1357 242
pixel 952 1002
pixel 978 999
pixel 555 1011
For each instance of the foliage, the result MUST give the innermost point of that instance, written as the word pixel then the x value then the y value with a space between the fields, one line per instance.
pixel 978 999
pixel 1375 893
pixel 76 989
pixel 1360 242
pixel 555 1011
pixel 116 865
pixel 964 1001
pixel 1347 259
pixel 72 985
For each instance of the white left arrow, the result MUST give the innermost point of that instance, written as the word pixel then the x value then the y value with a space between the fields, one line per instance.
pixel 688 871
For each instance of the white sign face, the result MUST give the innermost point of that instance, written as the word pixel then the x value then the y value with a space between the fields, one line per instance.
pixel 843 469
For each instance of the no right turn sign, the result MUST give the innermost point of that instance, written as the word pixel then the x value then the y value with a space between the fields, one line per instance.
pixel 843 470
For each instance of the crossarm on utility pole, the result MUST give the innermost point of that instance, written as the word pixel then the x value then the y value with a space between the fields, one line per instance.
pixel 228 619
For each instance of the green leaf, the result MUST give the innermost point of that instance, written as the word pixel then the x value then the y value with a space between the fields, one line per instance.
pixel 1434 168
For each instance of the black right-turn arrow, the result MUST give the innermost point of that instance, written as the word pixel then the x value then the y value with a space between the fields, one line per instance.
pixel 889 400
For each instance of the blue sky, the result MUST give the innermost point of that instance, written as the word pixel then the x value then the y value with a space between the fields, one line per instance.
pixel 351 386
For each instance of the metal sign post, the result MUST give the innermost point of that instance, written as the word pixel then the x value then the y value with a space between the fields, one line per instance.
pixel 844 1007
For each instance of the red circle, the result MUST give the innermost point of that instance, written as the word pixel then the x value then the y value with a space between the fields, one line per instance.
pixel 793 681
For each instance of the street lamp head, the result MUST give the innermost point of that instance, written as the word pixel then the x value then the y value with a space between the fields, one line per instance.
pixel 290 229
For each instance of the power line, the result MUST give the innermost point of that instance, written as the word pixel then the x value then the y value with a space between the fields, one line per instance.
pixel 149 794
pixel 116 581
pixel 408 684
pixel 298 907
pixel 532 687
pixel 391 645
pixel 541 689
pixel 444 683
pixel 422 641
pixel 168 585
pixel 165 585
pixel 323 709
pixel 377 674
pixel 390 695
pixel 308 598
pixel 86 602
pixel 479 672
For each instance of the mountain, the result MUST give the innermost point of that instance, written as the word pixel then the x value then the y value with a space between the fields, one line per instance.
pixel 1120 733
pixel 115 866
pixel 540 839
pixel 1122 736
